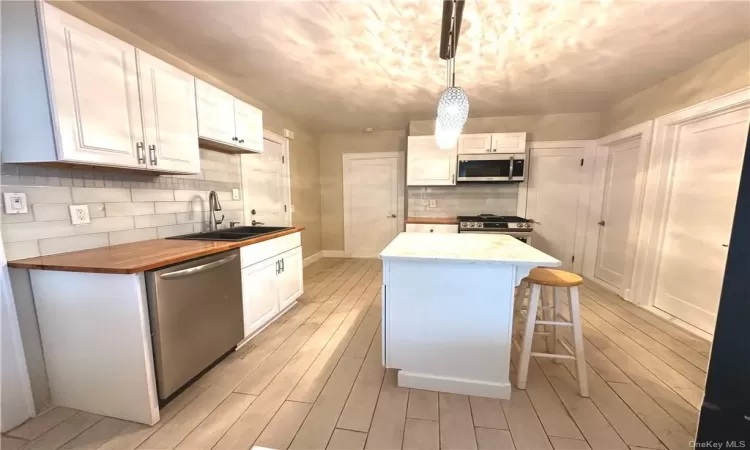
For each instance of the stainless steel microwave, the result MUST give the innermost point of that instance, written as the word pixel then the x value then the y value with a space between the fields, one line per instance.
pixel 495 167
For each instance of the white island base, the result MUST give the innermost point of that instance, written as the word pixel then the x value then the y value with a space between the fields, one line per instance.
pixel 448 309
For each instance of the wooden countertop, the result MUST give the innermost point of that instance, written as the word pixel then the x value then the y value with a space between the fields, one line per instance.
pixel 433 220
pixel 137 257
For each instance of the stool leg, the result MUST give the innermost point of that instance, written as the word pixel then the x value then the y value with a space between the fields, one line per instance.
pixel 575 318
pixel 554 315
pixel 528 336
pixel 517 305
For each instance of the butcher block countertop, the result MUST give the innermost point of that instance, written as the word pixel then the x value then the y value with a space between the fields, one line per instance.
pixel 137 257
pixel 433 220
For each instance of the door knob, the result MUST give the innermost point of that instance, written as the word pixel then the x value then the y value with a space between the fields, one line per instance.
pixel 602 223
pixel 392 216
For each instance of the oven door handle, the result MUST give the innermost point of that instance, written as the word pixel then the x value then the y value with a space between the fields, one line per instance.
pixel 510 168
pixel 193 270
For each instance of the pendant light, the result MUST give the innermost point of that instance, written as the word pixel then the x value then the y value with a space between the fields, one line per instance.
pixel 453 106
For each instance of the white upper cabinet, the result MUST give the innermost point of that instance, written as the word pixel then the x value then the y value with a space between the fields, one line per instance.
pixel 169 115
pixel 94 86
pixel 248 122
pixel 429 165
pixel 215 113
pixel 228 121
pixel 492 143
pixel 475 143
pixel 79 95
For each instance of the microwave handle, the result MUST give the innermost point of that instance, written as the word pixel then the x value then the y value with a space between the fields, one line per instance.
pixel 510 167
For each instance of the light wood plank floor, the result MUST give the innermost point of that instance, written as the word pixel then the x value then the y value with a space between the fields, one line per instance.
pixel 313 380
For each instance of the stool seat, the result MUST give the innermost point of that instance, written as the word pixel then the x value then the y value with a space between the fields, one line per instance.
pixel 553 277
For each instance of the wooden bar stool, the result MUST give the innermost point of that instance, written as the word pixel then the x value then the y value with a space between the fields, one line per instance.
pixel 550 318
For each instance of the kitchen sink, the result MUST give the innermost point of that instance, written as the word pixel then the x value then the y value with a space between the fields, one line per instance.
pixel 230 234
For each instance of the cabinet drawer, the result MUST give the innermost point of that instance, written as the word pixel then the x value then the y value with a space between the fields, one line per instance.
pixel 431 228
pixel 254 253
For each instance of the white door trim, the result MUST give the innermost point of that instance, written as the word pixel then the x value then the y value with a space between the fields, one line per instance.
pixel 346 160
pixel 645 132
pixel 284 142
pixel 584 193
pixel 658 187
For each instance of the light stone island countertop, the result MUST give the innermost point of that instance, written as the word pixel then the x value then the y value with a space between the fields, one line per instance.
pixel 468 247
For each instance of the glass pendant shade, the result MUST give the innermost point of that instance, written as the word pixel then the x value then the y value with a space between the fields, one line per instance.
pixel 452 112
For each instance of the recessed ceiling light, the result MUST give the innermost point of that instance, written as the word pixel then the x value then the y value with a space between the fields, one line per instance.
pixel 369 130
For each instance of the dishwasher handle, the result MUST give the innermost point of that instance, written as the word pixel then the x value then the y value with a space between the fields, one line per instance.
pixel 193 270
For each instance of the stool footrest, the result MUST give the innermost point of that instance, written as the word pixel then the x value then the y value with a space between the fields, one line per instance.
pixel 552 355
pixel 552 322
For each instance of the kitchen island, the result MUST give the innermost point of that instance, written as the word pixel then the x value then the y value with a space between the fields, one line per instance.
pixel 448 309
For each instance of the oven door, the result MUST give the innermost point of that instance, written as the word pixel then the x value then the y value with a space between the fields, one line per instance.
pixel 492 167
pixel 523 236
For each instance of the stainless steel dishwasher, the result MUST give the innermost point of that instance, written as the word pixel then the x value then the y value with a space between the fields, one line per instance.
pixel 196 316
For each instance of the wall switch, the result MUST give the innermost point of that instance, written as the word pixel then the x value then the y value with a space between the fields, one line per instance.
pixel 235 194
pixel 15 203
pixel 433 203
pixel 79 214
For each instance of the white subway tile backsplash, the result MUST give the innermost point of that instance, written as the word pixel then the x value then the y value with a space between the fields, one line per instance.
pixel 129 209
pixel 16 218
pixel 105 224
pixel 152 195
pixel 155 220
pixel 88 195
pixel 178 207
pixel 15 232
pixel 20 250
pixel 190 195
pixel 231 205
pixel 45 212
pixel 174 230
pixel 125 236
pixel 96 210
pixel 42 194
pixel 72 243
pixel 194 217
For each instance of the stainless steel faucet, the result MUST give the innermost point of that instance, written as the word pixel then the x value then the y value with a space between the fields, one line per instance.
pixel 213 206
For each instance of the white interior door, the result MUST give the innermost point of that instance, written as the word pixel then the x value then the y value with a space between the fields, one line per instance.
pixel 554 182
pixel 371 206
pixel 265 184
pixel 705 178
pixel 614 249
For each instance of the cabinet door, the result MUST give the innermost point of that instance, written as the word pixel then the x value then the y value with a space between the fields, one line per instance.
pixel 169 116
pixel 260 294
pixel 290 278
pixel 508 142
pixel 249 125
pixel 475 143
pixel 215 113
pixel 94 89
pixel 429 165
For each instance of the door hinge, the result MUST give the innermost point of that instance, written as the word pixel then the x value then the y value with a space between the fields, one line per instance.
pixel 581 161
pixel 282 159
pixel 284 208
pixel 573 258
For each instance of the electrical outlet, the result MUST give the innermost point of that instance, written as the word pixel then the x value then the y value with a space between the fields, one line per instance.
pixel 79 214
pixel 433 203
pixel 15 203
pixel 235 194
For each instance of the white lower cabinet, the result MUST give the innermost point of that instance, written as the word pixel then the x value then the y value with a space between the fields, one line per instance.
pixel 431 228
pixel 260 294
pixel 269 287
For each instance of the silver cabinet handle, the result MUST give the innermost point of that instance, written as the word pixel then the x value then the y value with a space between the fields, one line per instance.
pixel 152 154
pixel 140 153
pixel 278 267
pixel 725 245
pixel 282 264
pixel 193 270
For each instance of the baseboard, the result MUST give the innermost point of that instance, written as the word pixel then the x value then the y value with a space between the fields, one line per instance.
pixel 312 258
pixel 454 385
pixel 333 253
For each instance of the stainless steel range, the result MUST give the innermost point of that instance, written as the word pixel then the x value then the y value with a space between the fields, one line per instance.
pixel 515 226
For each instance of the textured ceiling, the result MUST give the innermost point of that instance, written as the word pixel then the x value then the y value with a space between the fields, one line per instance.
pixel 345 65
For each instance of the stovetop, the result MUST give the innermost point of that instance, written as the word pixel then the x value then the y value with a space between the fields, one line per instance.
pixel 492 218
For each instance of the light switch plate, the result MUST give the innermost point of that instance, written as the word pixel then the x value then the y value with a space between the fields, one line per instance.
pixel 79 214
pixel 433 203
pixel 235 194
pixel 15 203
